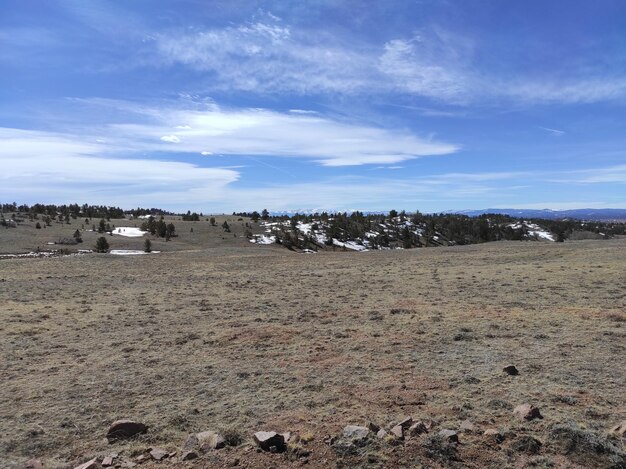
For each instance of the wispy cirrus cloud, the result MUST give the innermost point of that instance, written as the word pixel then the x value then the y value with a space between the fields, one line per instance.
pixel 269 56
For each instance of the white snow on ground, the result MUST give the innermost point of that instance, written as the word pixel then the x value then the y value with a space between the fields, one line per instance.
pixel 130 252
pixel 129 231
pixel 35 254
pixel 533 230
pixel 349 245
pixel 262 239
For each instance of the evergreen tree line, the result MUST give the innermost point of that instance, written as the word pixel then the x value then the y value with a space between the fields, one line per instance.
pixel 421 230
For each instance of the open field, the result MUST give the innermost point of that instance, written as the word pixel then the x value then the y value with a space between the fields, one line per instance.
pixel 225 335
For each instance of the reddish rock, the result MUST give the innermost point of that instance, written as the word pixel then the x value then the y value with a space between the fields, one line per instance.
pixel 267 440
pixel 91 464
pixel 121 429
pixel 158 454
pixel 527 412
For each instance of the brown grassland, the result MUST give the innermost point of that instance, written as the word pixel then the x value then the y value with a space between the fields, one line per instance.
pixel 216 333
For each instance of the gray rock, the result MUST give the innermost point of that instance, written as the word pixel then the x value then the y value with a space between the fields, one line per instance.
pixel 382 433
pixel 449 435
pixel 527 412
pixel 91 464
pixel 189 455
pixel 417 428
pixel 158 454
pixel 267 440
pixel 493 435
pixel 398 432
pixel 466 426
pixel 122 429
pixel 355 433
pixel 406 423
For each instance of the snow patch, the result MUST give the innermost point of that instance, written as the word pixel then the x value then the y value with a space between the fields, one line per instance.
pixel 129 232
pixel 263 239
pixel 130 252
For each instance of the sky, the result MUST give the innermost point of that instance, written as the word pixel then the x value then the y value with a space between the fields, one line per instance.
pixel 239 105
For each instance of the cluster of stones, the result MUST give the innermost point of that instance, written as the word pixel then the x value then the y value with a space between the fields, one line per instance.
pixel 198 444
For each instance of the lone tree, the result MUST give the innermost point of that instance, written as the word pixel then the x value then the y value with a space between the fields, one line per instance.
pixel 225 227
pixel 102 245
pixel 147 245
pixel 78 237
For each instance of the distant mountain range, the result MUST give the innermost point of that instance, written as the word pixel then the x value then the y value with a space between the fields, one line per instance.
pixel 592 214
pixel 597 214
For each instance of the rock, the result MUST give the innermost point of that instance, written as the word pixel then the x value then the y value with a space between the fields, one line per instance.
pixel 381 433
pixel 619 429
pixel 493 435
pixel 189 455
pixel 467 426
pixel 510 370
pixel 107 461
pixel 527 412
pixel 287 436
pixel 355 433
pixel 121 429
pixel 210 440
pixel 158 454
pixel 91 464
pixel 141 458
pixel 406 423
pixel 204 441
pixel 449 435
pixel 32 464
pixel 267 440
pixel 417 428
pixel 398 432
pixel 373 427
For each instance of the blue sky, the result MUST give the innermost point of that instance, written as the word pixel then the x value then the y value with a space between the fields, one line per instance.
pixel 219 106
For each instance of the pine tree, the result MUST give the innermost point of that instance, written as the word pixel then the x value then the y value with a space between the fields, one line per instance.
pixel 147 245
pixel 102 245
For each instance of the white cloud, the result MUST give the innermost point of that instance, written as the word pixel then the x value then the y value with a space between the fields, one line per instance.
pixel 555 132
pixel 47 166
pixel 271 57
pixel 261 132
pixel 171 138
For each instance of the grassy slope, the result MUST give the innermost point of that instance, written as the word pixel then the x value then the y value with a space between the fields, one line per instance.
pixel 258 337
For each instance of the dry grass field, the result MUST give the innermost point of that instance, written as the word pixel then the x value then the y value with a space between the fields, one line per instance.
pixel 220 334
